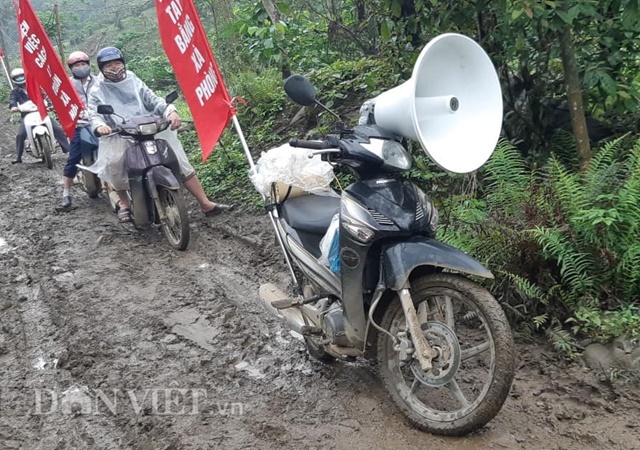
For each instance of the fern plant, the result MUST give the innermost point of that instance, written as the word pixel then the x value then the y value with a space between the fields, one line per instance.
pixel 561 242
pixel 595 237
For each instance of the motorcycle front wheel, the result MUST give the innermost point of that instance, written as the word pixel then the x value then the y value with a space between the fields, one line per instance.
pixel 472 373
pixel 175 226
pixel 45 148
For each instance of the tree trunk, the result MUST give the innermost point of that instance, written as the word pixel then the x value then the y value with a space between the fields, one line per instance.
pixel 275 16
pixel 58 32
pixel 360 11
pixel 574 97
pixel 272 10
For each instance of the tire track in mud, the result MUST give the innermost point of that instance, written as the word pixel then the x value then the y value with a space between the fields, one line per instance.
pixel 37 351
pixel 88 270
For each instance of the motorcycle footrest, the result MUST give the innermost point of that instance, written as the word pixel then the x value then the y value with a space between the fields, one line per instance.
pixel 307 330
pixel 283 304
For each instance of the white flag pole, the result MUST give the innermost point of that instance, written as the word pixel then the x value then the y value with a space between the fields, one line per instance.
pixel 287 259
pixel 5 71
pixel 247 153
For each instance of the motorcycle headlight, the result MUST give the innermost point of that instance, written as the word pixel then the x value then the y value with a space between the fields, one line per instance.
pixel 429 211
pixel 148 128
pixel 395 156
pixel 357 221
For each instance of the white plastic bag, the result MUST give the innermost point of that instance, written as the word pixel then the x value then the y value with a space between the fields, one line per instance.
pixel 328 257
pixel 292 166
pixel 111 165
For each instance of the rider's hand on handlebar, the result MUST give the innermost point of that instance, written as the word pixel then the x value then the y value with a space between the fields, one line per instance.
pixel 103 130
pixel 15 109
pixel 175 120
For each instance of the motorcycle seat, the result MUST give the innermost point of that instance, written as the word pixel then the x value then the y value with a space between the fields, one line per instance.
pixel 310 213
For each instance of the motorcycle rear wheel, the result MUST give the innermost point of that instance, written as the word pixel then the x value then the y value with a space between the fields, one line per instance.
pixel 473 372
pixel 45 149
pixel 89 181
pixel 317 352
pixel 175 226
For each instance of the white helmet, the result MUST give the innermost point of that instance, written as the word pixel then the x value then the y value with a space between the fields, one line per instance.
pixel 77 56
pixel 17 75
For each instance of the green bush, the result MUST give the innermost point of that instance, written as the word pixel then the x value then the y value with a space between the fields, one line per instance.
pixel 565 244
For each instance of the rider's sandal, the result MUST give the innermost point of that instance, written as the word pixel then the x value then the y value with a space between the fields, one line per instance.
pixel 218 209
pixel 124 215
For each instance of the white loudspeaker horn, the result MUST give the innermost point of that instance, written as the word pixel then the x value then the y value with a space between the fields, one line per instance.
pixel 451 105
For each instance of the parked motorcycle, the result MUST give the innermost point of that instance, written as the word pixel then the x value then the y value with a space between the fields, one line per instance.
pixel 400 297
pixel 153 173
pixel 39 142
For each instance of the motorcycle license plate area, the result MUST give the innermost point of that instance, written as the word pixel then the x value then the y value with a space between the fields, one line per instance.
pixel 146 154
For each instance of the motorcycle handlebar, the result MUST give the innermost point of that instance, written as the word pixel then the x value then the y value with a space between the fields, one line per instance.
pixel 162 123
pixel 314 145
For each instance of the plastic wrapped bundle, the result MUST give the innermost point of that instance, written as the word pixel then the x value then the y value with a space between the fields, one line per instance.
pixel 294 167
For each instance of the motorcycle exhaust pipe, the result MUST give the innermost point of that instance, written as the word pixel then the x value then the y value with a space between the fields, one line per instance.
pixel 291 317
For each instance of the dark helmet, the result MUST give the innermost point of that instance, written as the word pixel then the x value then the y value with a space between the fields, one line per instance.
pixel 108 54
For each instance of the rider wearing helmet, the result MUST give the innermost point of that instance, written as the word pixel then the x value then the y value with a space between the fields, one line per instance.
pixel 17 76
pixel 19 96
pixel 114 73
pixel 130 96
pixel 82 80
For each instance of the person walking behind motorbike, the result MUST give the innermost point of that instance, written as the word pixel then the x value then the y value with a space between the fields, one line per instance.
pixel 82 80
pixel 130 96
pixel 19 96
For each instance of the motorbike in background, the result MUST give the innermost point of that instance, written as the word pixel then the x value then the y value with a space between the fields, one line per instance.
pixel 153 174
pixel 39 143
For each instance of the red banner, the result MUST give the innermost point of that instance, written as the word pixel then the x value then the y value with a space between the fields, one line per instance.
pixel 44 71
pixel 188 50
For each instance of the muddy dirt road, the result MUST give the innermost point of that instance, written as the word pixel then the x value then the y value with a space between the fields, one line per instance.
pixel 109 339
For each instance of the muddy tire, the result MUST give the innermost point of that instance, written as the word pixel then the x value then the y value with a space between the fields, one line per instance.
pixel 175 226
pixel 317 352
pixel 139 207
pixel 89 181
pixel 473 371
pixel 46 149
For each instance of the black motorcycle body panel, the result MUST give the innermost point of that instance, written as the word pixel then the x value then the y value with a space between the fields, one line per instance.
pixel 150 163
pixel 401 258
pixel 150 153
pixel 403 242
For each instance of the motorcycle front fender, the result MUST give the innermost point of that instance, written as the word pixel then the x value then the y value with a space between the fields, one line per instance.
pixel 401 258
pixel 161 176
pixel 40 130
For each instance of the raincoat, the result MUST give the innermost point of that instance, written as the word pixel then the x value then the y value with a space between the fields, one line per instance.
pixel 129 97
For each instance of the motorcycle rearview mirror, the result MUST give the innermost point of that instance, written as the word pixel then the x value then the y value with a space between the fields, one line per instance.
pixel 171 97
pixel 108 109
pixel 301 91
pixel 105 109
